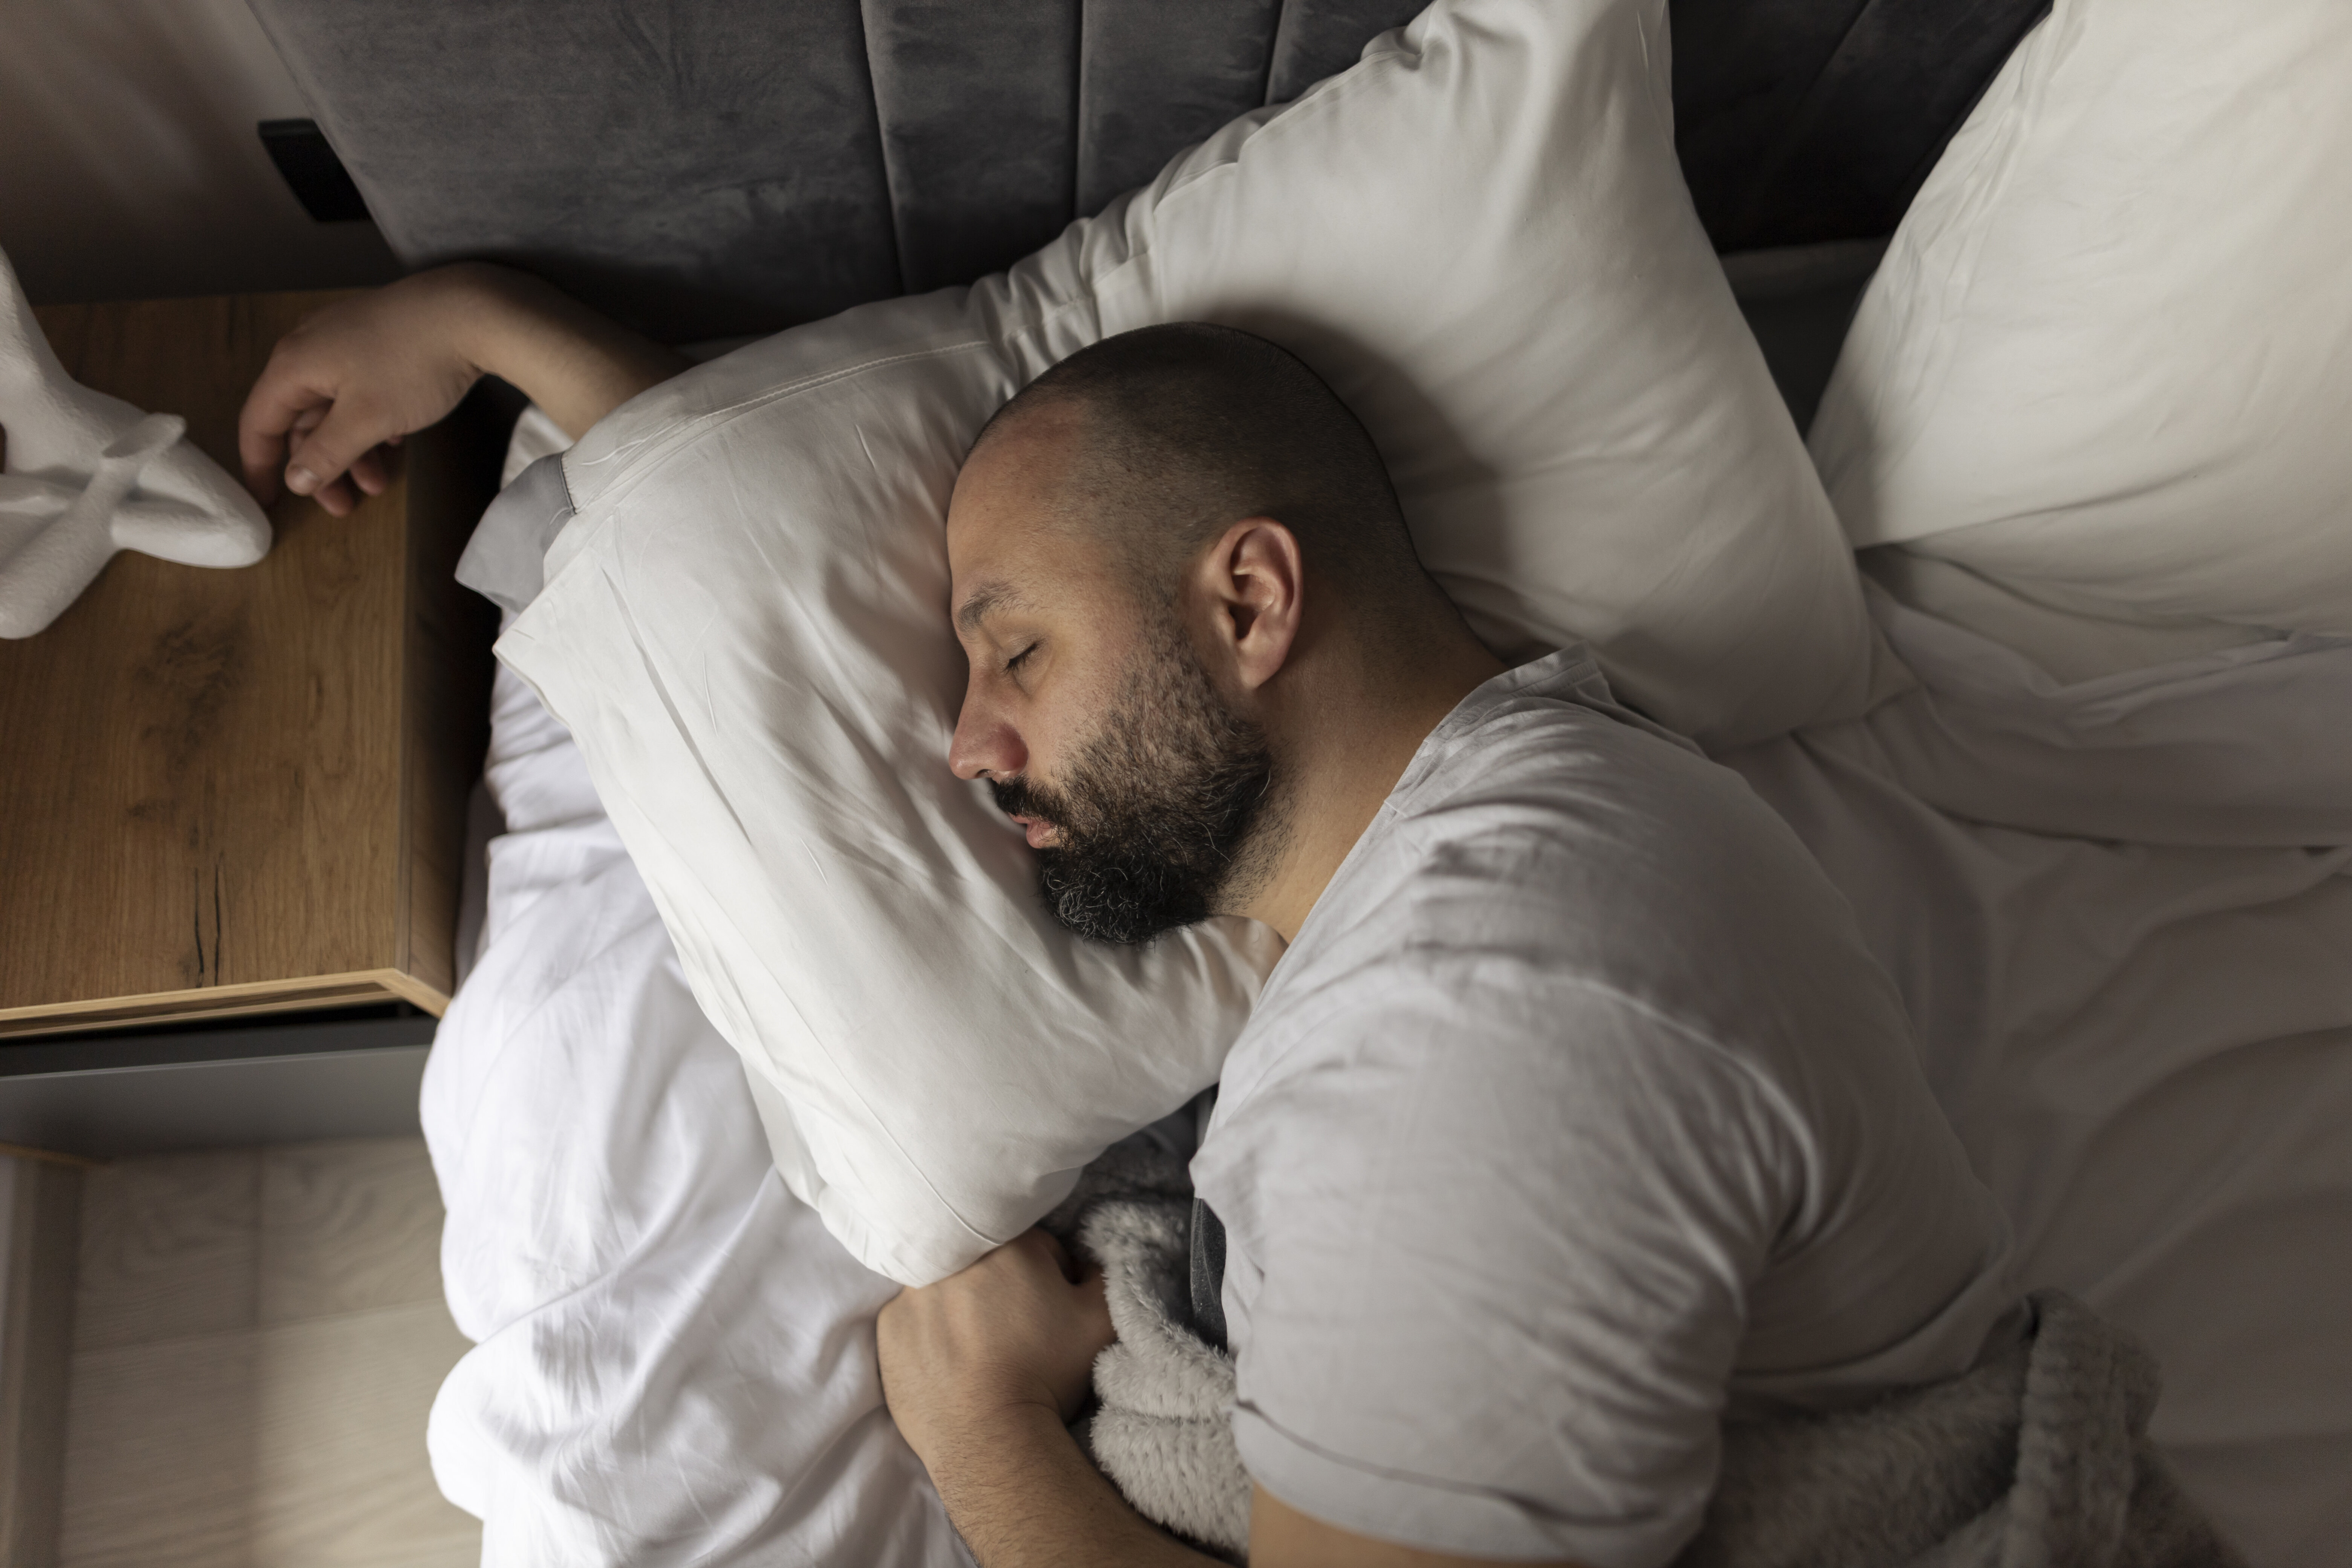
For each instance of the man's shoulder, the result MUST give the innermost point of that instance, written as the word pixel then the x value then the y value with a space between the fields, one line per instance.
pixel 1558 755
pixel 1539 805
pixel 1560 878
pixel 1554 863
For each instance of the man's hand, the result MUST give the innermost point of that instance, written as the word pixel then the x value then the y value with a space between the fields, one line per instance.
pixel 359 375
pixel 1021 1328
pixel 982 1373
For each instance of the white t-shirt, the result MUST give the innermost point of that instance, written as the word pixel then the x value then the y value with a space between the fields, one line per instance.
pixel 1577 1117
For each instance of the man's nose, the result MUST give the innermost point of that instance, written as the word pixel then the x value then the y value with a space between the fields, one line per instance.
pixel 985 746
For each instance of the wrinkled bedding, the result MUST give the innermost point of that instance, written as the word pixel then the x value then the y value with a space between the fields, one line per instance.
pixel 2120 912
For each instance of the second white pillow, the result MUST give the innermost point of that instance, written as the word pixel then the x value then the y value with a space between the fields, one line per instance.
pixel 2108 360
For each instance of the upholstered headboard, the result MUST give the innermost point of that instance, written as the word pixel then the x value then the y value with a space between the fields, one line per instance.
pixel 708 167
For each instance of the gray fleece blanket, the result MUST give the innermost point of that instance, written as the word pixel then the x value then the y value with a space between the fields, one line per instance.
pixel 2038 1458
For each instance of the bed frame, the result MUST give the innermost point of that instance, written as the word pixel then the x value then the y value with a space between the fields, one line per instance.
pixel 723 167
pixel 734 166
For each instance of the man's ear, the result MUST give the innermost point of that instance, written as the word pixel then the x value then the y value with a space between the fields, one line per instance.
pixel 1253 583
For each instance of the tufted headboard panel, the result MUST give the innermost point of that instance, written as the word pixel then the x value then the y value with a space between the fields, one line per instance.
pixel 707 167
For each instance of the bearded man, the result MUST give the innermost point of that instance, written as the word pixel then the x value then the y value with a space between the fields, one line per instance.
pixel 1575 1119
pixel 1575 1116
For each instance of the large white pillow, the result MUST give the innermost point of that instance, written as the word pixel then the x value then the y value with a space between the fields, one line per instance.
pixel 1481 236
pixel 2108 360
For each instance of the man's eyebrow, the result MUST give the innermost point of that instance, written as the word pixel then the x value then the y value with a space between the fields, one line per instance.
pixel 983 602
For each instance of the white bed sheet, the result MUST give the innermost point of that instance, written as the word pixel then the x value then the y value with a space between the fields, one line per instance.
pixel 2121 911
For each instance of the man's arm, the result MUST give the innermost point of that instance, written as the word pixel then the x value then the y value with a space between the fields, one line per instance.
pixel 1282 1537
pixel 1023 1495
pixel 983 1371
pixel 365 372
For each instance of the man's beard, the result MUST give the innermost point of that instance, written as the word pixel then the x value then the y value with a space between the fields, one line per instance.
pixel 1157 816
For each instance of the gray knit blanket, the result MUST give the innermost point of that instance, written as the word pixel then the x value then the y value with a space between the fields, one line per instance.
pixel 2037 1459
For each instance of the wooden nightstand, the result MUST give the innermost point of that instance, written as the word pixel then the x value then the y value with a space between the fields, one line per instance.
pixel 244 791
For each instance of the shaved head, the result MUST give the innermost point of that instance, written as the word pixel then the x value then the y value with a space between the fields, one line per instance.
pixel 1177 431
pixel 1134 545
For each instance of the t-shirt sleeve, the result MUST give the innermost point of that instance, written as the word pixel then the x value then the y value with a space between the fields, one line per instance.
pixel 1498 1282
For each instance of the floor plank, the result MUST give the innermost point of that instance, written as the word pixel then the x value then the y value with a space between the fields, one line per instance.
pixel 340 1477
pixel 261 1335
pixel 160 1454
pixel 169 1248
pixel 347 1226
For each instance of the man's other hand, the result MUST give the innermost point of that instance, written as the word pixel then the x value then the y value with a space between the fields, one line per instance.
pixel 1019 1328
pixel 352 380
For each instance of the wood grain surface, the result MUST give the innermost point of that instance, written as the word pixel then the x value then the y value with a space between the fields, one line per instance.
pixel 259 1334
pixel 240 791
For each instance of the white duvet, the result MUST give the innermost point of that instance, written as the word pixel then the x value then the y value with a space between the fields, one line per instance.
pixel 2121 912
pixel 674 1360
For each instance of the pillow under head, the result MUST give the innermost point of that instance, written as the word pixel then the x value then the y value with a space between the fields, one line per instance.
pixel 1480 237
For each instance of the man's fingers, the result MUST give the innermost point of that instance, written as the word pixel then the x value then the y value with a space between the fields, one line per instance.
pixel 1046 1242
pixel 1094 1308
pixel 369 472
pixel 281 399
pixel 320 457
pixel 1089 1295
pixel 339 497
pixel 261 430
pixel 336 499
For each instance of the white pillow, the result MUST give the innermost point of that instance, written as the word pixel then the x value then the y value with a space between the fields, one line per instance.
pixel 2108 360
pixel 1481 236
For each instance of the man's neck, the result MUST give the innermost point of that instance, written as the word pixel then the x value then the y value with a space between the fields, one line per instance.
pixel 1352 739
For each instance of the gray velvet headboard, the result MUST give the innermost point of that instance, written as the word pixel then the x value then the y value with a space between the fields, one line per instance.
pixel 708 167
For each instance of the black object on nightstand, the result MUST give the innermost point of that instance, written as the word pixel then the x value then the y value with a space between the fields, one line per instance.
pixel 313 173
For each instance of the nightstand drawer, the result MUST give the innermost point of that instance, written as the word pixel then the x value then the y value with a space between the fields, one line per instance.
pixel 244 791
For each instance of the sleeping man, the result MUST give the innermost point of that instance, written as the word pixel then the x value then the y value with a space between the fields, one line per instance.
pixel 1575 1119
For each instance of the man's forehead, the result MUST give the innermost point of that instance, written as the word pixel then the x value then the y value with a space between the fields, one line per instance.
pixel 1011 544
pixel 986 599
pixel 1004 488
pixel 1000 555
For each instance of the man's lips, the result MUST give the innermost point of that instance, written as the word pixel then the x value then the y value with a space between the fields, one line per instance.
pixel 1041 834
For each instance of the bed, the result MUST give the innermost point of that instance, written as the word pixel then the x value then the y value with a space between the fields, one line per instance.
pixel 2100 894
pixel 2142 1043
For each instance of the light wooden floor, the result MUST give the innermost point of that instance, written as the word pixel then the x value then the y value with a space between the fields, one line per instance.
pixel 257 1336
